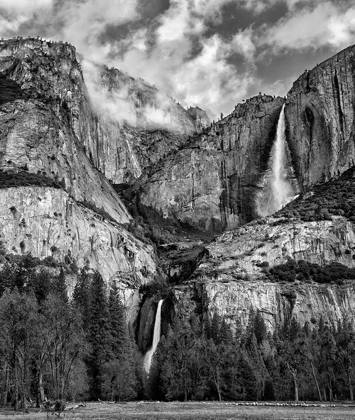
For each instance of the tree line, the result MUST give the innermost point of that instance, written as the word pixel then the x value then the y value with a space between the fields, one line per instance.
pixel 53 348
pixel 207 361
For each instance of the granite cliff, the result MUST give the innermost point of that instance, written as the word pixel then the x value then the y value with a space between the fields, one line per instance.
pixel 320 119
pixel 214 181
pixel 136 125
pixel 62 153
pixel 66 155
pixel 297 263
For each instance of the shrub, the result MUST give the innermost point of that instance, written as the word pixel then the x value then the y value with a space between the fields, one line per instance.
pixel 25 179
pixel 305 271
pixel 333 198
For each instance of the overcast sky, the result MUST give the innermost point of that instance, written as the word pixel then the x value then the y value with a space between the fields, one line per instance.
pixel 210 53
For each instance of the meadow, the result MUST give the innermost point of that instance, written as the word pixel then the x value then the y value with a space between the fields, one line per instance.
pixel 193 410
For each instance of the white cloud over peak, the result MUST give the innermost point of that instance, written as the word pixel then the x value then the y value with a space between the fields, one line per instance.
pixel 183 60
pixel 182 50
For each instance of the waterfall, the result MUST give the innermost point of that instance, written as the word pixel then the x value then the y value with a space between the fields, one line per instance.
pixel 156 338
pixel 279 190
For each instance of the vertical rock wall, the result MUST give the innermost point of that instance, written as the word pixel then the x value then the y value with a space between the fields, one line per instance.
pixel 212 183
pixel 320 119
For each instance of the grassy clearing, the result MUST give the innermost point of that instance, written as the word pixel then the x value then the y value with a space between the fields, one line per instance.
pixel 192 410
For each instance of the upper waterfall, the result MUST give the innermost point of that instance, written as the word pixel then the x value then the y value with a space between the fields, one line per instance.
pixel 156 338
pixel 278 190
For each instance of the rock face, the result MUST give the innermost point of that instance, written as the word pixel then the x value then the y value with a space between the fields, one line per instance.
pixel 320 119
pixel 46 124
pixel 118 138
pixel 275 241
pixel 137 124
pixel 48 222
pixel 73 141
pixel 200 118
pixel 213 181
pixel 277 303
pixel 42 121
pixel 231 278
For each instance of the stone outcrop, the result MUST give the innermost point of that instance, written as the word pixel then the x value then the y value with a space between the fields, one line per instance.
pixel 320 119
pixel 137 125
pixel 42 127
pixel 213 181
pixel 119 139
pixel 48 222
pixel 277 303
pixel 52 128
pixel 46 120
pixel 231 279
pixel 199 117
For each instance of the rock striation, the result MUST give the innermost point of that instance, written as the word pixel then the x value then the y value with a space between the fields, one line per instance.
pixel 231 279
pixel 136 126
pixel 47 122
pixel 277 303
pixel 47 222
pixel 213 181
pixel 75 129
pixel 320 119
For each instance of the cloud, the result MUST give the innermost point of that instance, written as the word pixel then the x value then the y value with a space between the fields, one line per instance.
pixel 182 59
pixel 14 14
pixel 185 49
pixel 124 100
pixel 307 28
pixel 83 23
pixel 25 6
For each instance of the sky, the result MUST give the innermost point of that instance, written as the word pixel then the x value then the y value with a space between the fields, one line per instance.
pixel 206 53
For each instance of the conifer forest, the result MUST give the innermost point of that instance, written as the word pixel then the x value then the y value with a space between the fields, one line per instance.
pixel 53 348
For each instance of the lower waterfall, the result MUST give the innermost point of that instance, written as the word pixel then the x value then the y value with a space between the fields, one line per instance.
pixel 156 338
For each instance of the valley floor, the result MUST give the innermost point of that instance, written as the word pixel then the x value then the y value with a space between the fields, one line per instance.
pixel 194 410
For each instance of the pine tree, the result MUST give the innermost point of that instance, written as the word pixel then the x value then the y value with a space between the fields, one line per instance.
pixel 327 358
pixel 82 299
pixel 8 277
pixel 215 328
pixel 176 373
pixel 226 335
pixel 39 283
pixel 260 330
pixel 247 379
pixel 60 287
pixel 345 339
pixel 118 330
pixel 206 327
pixel 98 335
pixel 119 373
